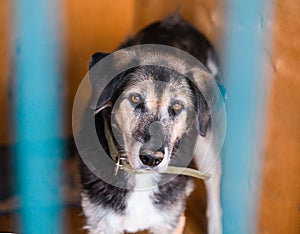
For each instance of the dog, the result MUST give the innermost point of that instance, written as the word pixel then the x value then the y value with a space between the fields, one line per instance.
pixel 144 115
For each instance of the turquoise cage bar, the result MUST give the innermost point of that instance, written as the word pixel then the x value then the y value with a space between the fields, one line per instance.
pixel 246 83
pixel 38 114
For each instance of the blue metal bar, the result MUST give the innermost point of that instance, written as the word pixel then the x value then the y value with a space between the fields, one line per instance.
pixel 38 115
pixel 245 83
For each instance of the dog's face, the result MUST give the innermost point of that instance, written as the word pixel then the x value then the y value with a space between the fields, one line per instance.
pixel 151 115
pixel 149 109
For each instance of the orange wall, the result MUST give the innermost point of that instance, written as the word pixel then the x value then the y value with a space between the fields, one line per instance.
pixel 6 67
pixel 92 26
pixel 280 204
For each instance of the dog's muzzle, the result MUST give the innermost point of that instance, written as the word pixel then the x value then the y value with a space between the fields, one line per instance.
pixel 152 152
pixel 121 163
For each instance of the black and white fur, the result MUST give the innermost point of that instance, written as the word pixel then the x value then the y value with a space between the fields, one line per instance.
pixel 112 210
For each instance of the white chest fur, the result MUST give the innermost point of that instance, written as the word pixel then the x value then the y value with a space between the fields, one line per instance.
pixel 141 213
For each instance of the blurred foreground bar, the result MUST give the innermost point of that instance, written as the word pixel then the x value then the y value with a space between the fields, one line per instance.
pixel 38 114
pixel 247 86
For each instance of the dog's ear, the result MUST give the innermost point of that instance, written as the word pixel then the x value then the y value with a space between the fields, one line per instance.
pixel 203 113
pixel 112 90
pixel 104 100
pixel 96 58
pixel 202 110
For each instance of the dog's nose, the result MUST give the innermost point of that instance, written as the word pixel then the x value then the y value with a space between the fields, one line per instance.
pixel 152 160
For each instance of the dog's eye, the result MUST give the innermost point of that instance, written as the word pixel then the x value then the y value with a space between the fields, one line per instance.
pixel 177 106
pixel 135 98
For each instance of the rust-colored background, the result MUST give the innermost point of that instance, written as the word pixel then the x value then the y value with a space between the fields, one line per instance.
pixel 99 25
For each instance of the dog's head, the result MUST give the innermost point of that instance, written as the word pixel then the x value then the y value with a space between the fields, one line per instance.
pixel 149 109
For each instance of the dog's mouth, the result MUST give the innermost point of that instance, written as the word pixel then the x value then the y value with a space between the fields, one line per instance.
pixel 147 160
pixel 151 157
pixel 147 157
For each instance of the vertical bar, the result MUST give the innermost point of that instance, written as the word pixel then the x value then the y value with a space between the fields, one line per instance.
pixel 38 114
pixel 247 97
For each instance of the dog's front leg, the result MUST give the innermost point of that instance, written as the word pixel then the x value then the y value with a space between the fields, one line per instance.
pixel 166 229
pixel 214 210
pixel 180 225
